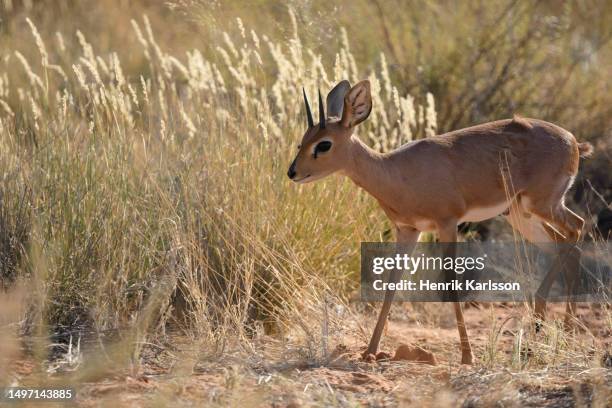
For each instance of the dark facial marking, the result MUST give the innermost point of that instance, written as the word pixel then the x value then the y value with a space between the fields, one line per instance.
pixel 291 173
pixel 322 147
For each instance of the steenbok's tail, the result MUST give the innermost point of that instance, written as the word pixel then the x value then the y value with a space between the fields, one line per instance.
pixel 585 150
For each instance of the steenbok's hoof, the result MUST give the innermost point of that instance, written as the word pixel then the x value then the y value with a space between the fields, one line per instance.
pixel 467 359
pixel 369 357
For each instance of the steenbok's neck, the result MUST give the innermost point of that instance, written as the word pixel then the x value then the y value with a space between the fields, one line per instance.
pixel 370 170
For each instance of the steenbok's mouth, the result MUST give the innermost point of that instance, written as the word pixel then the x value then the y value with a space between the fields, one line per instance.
pixel 303 179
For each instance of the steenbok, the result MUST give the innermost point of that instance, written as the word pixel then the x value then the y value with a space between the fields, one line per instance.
pixel 518 167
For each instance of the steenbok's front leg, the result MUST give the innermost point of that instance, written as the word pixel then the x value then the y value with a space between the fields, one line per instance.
pixel 448 234
pixel 406 240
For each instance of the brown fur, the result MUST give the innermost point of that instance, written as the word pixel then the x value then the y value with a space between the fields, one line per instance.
pixel 526 153
pixel 520 167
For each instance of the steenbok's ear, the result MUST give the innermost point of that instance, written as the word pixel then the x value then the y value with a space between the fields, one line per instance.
pixel 335 99
pixel 357 104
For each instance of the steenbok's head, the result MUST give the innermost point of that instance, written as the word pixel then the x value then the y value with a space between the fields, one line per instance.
pixel 325 147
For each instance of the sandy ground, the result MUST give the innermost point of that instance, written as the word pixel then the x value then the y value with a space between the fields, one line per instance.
pixel 555 369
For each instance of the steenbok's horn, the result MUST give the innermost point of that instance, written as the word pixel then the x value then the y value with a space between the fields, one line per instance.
pixel 308 112
pixel 321 112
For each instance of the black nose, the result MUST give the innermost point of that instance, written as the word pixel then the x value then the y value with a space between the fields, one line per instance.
pixel 291 172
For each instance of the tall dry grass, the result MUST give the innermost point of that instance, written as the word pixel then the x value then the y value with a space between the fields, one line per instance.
pixel 160 200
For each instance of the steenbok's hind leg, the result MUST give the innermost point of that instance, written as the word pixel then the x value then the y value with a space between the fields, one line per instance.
pixel 550 206
pixel 569 225
pixel 531 228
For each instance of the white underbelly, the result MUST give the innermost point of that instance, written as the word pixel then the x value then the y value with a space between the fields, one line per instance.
pixel 475 214
pixel 484 213
pixel 425 225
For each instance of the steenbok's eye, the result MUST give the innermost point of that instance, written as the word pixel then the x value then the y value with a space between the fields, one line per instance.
pixel 322 147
